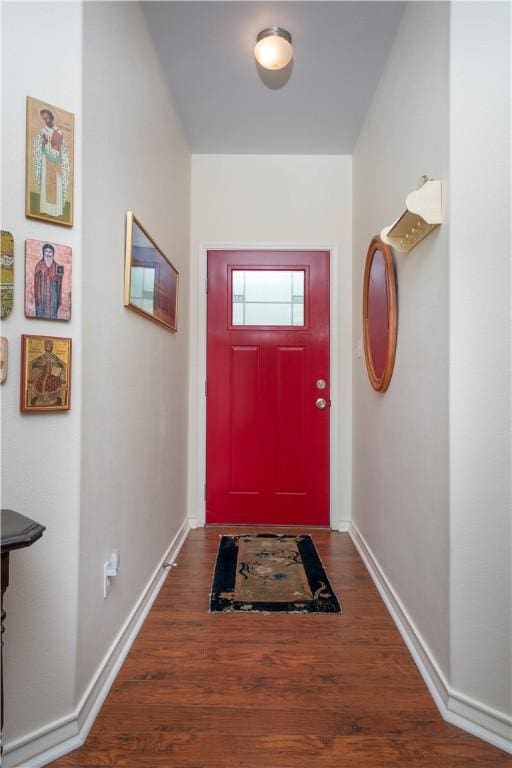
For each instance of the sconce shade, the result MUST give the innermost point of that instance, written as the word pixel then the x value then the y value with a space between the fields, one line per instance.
pixel 273 49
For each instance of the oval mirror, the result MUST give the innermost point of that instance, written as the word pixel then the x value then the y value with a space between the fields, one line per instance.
pixel 379 314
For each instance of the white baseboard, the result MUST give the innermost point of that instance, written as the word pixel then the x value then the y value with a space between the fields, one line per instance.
pixel 60 737
pixel 193 522
pixel 342 525
pixel 470 715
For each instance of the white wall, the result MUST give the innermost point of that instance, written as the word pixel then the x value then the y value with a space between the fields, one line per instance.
pixel 432 472
pixel 480 344
pixel 400 491
pixel 255 199
pixel 40 452
pixel 111 472
pixel 135 392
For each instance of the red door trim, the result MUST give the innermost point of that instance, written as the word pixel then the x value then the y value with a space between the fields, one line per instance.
pixel 277 268
pixel 340 426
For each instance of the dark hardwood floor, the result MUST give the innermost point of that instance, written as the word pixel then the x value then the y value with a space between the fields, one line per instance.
pixel 202 690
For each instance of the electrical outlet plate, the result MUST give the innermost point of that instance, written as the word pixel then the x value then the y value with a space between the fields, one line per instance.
pixel 110 568
pixel 106 580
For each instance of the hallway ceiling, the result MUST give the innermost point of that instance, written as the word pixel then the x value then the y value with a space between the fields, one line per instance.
pixel 206 50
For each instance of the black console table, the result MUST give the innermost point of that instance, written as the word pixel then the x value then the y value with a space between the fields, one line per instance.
pixel 17 531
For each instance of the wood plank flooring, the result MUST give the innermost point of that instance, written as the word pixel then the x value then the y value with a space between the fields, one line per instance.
pixel 202 690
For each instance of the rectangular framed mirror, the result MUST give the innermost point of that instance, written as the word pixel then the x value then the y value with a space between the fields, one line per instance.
pixel 150 280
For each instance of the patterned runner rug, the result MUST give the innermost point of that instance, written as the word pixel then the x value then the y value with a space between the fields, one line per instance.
pixel 271 573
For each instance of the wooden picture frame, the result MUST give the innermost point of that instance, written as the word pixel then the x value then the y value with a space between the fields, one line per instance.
pixel 379 314
pixel 45 382
pixel 4 358
pixel 49 167
pixel 48 282
pixel 150 280
pixel 6 273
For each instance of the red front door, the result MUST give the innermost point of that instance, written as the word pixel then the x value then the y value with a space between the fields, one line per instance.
pixel 267 407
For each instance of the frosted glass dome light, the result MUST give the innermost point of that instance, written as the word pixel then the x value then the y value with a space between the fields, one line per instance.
pixel 273 49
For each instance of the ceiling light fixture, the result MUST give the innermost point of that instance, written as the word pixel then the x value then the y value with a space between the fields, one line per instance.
pixel 273 49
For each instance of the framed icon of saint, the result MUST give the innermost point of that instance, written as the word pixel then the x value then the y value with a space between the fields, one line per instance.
pixel 47 280
pixel 49 163
pixel 45 374
pixel 6 273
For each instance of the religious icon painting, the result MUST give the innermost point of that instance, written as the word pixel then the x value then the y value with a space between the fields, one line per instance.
pixel 6 273
pixel 49 163
pixel 4 358
pixel 47 280
pixel 45 373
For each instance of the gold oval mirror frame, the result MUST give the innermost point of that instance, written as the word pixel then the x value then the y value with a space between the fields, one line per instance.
pixel 379 314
